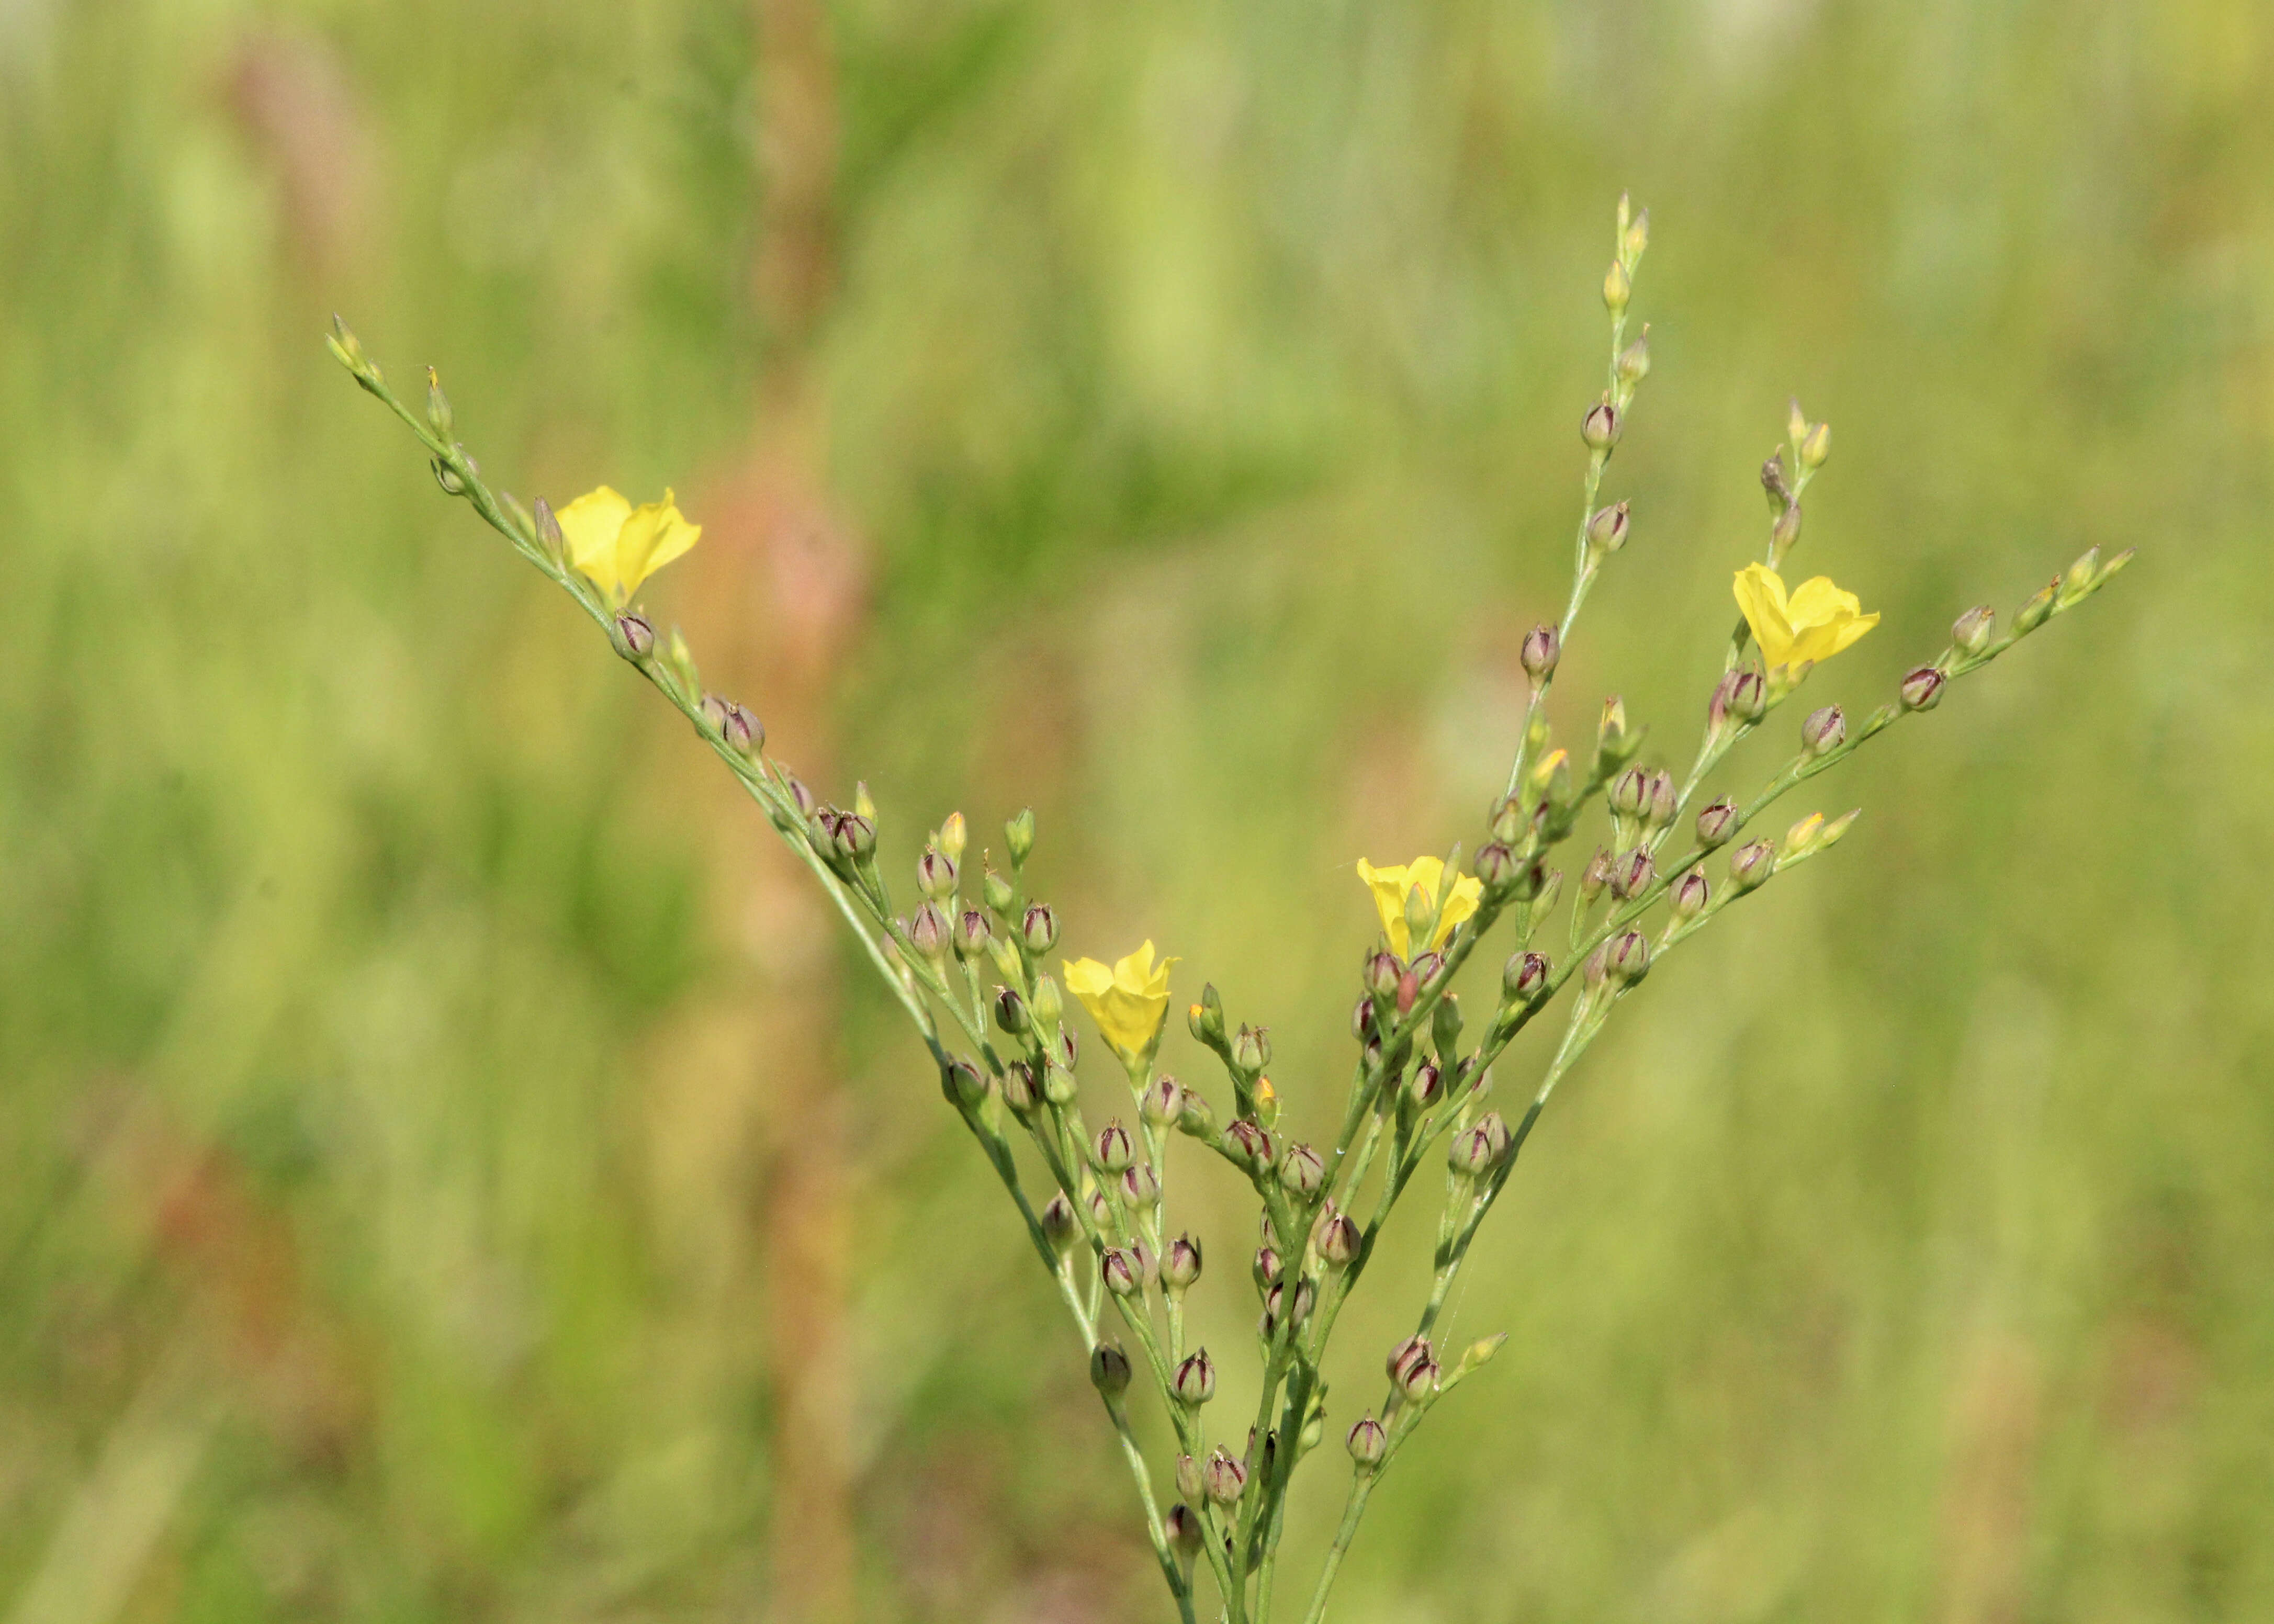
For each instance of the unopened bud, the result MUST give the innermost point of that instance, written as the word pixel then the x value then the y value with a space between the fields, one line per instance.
pixel 743 733
pixel 1224 1479
pixel 547 526
pixel 1785 531
pixel 801 797
pixel 952 837
pixel 1634 360
pixel 634 637
pixel 972 935
pixel 1690 895
pixel 1196 1117
pixel 1180 1265
pixel 1040 928
pixel 1195 1381
pixel 1632 874
pixel 1616 288
pixel 1600 428
pixel 1019 1086
pixel 1339 1240
pixel 1303 1171
pixel 1970 632
pixel 1716 823
pixel 438 406
pixel 1119 1270
pixel 1597 875
pixel 936 874
pixel 1626 957
pixel 1413 1368
pixel 1749 696
pixel 1162 1102
pixel 1750 864
pixel 1636 237
pixel 1629 792
pixel 856 837
pixel 1059 1226
pixel 1250 1143
pixel 1266 1268
pixel 1445 1027
pixel 1470 1153
pixel 1542 648
pixel 1109 1370
pixel 1508 820
pixel 1523 975
pixel 1816 444
pixel 1367 1443
pixel 1660 811
pixel 1825 730
pixel 1141 1186
pixel 1189 1476
pixel 1185 1530
pixel 1250 1048
pixel 1803 837
pixel 1381 974
pixel 1011 1010
pixel 1111 1152
pixel 1018 835
pixel 965 1084
pixel 1551 779
pixel 1425 1087
pixel 1206 1018
pixel 928 931
pixel 1921 689
pixel 1050 1004
pixel 1058 1084
pixel 997 892
pixel 1606 527
pixel 2034 614
pixel 1362 1017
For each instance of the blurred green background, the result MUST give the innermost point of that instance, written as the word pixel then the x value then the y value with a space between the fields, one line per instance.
pixel 438 1181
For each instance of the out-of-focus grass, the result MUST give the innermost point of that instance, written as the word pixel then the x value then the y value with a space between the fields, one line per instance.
pixel 1205 379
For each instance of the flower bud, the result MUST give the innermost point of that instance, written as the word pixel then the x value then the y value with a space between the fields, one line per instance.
pixel 1750 864
pixel 936 874
pixel 1040 929
pixel 634 635
pixel 1249 1144
pixel 1749 696
pixel 1182 1526
pixel 1551 779
pixel 1381 973
pixel 1050 1004
pixel 1266 1268
pixel 1597 875
pixel 952 837
pixel 1970 632
pixel 1522 976
pixel 857 839
pixel 1018 835
pixel 1109 1370
pixel 1303 1171
pixel 1470 1153
pixel 743 733
pixel 1824 731
pixel 1196 1117
pixel 1058 1087
pixel 1367 1443
pixel 1111 1151
pixel 1224 1479
pixel 1616 288
pixel 997 894
pixel 1815 445
pixel 1019 1086
pixel 1660 810
pixel 1059 1226
pixel 863 803
pixel 1306 1295
pixel 1690 895
pixel 1425 1087
pixel 1181 1266
pixel 1425 970
pixel 1606 527
pixel 1636 237
pixel 1412 1367
pixel 1338 1240
pixel 1632 873
pixel 1141 1186
pixel 1634 360
pixel 1716 823
pixel 1784 532
pixel 1600 428
pixel 1629 792
pixel 1189 1476
pixel 2034 614
pixel 1250 1048
pixel 964 1085
pixel 1445 1026
pixel 1194 1382
pixel 1011 1010
pixel 1921 689
pixel 1542 648
pixel 1119 1266
pixel 928 931
pixel 1495 870
pixel 972 936
pixel 1803 837
pixel 1507 821
pixel 1626 957
pixel 1163 1102
pixel 801 797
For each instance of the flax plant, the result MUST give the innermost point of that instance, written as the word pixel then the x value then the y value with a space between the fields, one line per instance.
pixel 969 960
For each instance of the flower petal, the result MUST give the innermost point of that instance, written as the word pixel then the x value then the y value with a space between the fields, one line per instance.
pixel 1389 888
pixel 1759 592
pixel 589 526
pixel 655 533
pixel 1458 906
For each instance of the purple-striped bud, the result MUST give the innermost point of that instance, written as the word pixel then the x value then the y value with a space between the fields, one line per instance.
pixel 1922 689
pixel 1109 1370
pixel 1111 1152
pixel 1118 1268
pixel 1040 928
pixel 1303 1171
pixel 1716 823
pixel 1824 730
pixel 1691 896
pixel 1367 1443
pixel 1195 1381
pixel 1523 975
pixel 1750 864
pixel 1626 957
pixel 1632 873
pixel 1162 1102
pixel 1181 1265
pixel 1224 1479
pixel 1542 648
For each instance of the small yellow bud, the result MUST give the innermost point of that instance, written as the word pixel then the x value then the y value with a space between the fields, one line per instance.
pixel 1616 288
pixel 1804 836
pixel 952 837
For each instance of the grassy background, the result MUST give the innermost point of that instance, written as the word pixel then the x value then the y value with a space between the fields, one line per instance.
pixel 1199 382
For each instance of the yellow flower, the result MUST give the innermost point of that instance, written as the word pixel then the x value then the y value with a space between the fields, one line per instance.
pixel 1390 886
pixel 1127 1001
pixel 1815 623
pixel 617 545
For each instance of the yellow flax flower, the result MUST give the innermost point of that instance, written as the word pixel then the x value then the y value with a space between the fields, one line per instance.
pixel 1814 623
pixel 617 545
pixel 1128 1001
pixel 1390 886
